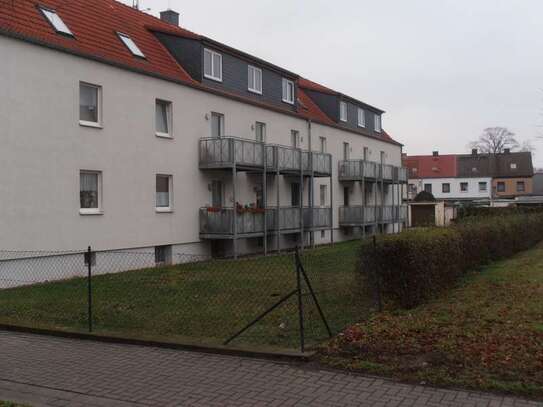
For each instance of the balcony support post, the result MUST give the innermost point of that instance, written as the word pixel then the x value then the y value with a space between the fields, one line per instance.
pixel 376 209
pixel 393 202
pixel 301 200
pixel 235 212
pixel 278 207
pixel 381 217
pixel 331 207
pixel 265 197
pixel 363 199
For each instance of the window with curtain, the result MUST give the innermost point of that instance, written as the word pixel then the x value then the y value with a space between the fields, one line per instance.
pixel 343 111
pixel 212 65
pixel 163 118
pixel 361 118
pixel 217 125
pixel 89 183
pixel 288 91
pixel 255 79
pixel 260 132
pixel 89 97
pixel 163 191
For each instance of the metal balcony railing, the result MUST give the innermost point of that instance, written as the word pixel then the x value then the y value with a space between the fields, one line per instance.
pixel 319 163
pixel 226 152
pixel 357 215
pixel 356 170
pixel 220 221
pixel 317 218
pixel 387 172
pixel 400 174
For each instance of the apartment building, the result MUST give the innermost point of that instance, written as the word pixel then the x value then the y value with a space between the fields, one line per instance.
pixel 125 131
pixel 470 177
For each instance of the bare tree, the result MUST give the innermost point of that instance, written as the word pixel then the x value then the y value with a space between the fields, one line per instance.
pixel 527 146
pixel 495 140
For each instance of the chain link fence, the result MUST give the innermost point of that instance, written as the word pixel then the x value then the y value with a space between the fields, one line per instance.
pixel 279 301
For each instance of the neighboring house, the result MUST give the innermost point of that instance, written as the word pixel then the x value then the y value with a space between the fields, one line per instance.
pixel 471 177
pixel 124 131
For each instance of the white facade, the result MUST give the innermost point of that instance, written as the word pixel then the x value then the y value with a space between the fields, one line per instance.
pixel 44 149
pixel 459 188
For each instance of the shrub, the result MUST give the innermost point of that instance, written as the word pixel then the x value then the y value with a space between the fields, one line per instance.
pixel 481 211
pixel 412 267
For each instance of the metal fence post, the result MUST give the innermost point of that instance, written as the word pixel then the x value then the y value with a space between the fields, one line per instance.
pixel 89 287
pixel 300 302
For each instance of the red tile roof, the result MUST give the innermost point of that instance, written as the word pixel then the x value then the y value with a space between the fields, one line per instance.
pixel 310 85
pixel 429 166
pixel 95 24
pixel 94 27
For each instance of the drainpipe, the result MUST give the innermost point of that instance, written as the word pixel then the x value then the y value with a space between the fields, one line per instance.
pixel 311 185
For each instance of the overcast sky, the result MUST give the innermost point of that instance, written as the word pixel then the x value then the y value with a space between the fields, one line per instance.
pixel 442 70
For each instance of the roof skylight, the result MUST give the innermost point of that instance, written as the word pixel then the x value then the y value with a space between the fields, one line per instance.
pixel 131 45
pixel 55 20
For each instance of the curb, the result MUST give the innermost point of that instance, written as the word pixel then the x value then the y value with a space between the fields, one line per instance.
pixel 279 356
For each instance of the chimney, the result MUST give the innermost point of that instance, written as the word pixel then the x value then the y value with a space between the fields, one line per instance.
pixel 473 151
pixel 506 150
pixel 170 17
pixel 435 153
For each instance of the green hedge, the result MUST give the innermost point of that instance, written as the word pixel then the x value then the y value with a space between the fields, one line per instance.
pixel 412 267
pixel 482 211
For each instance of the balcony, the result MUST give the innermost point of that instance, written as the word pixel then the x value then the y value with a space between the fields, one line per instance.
pixel 218 223
pixel 357 215
pixel 227 152
pixel 244 154
pixel 357 170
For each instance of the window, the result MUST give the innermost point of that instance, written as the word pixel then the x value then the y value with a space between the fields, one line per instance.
pixel 383 156
pixel 90 184
pixel 163 118
pixel 89 104
pixel 163 255
pixel 322 144
pixel 378 123
pixel 412 188
pixel 346 195
pixel 366 153
pixel 217 194
pixel 56 21
pixel 288 91
pixel 446 188
pixel 217 125
pixel 501 187
pixel 361 118
pixel 463 187
pixel 323 234
pixel 295 138
pixel 323 195
pixel 343 111
pixel 260 132
pixel 513 166
pixel 346 151
pixel 255 79
pixel 482 187
pixel 131 45
pixel 428 188
pixel 212 65
pixel 295 194
pixel 163 193
pixel 521 187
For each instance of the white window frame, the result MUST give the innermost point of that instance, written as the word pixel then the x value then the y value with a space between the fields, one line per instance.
pixel 287 97
pixel 92 211
pixel 295 139
pixel 378 124
pixel 262 125
pixel 252 73
pixel 131 45
pixel 169 118
pixel 56 22
pixel 86 123
pixel 343 111
pixel 323 195
pixel 169 208
pixel 346 151
pixel 212 76
pixel 467 187
pixel 361 117
pixel 481 183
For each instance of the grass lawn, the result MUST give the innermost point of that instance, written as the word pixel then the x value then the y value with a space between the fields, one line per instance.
pixel 487 334
pixel 199 302
pixel 10 404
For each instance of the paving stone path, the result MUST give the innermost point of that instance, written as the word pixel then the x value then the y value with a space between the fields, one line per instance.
pixel 47 371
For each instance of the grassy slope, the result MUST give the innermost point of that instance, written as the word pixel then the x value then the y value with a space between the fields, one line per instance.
pixel 486 334
pixel 199 302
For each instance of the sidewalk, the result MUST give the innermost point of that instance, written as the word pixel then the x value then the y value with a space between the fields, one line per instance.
pixel 47 371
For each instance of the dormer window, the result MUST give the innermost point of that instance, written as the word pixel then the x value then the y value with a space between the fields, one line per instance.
pixel 361 118
pixel 288 91
pixel 212 65
pixel 55 20
pixel 378 123
pixel 255 80
pixel 131 45
pixel 343 111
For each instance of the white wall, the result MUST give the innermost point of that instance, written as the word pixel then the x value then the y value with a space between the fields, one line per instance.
pixel 44 148
pixel 472 193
